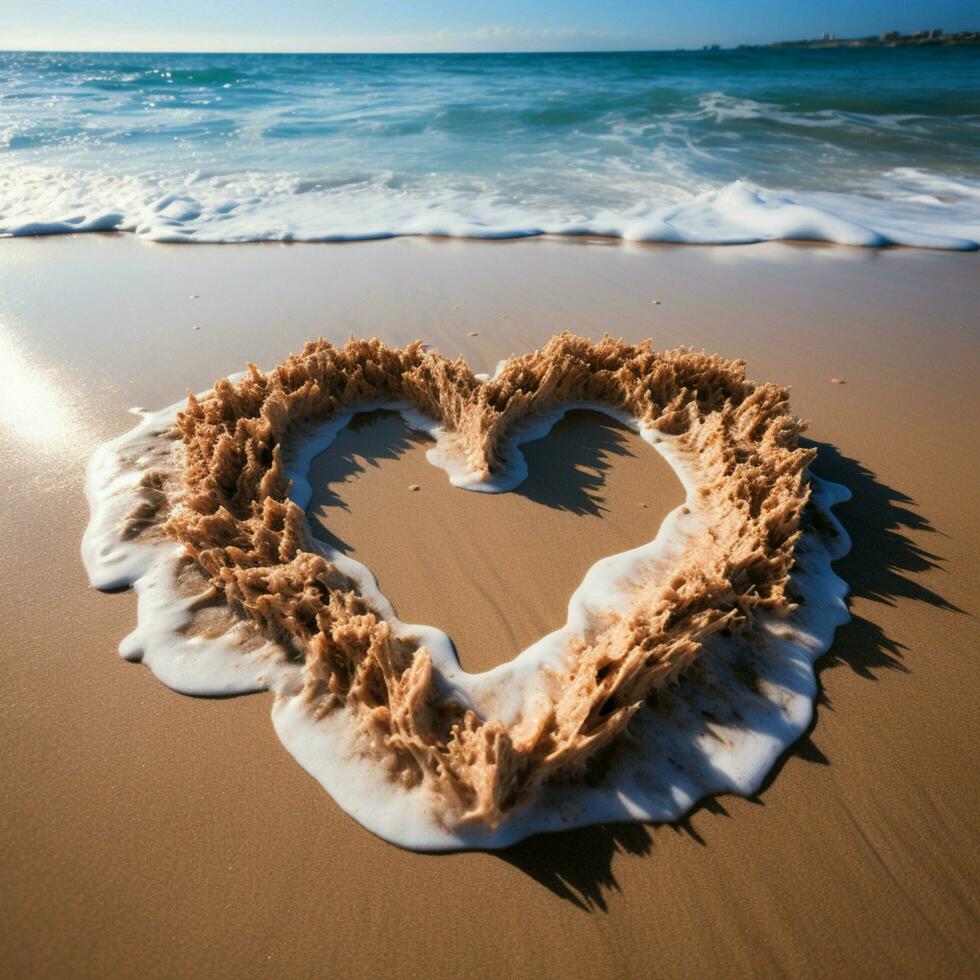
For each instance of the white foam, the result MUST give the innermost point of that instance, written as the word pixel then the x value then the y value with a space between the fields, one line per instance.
pixel 253 206
pixel 719 739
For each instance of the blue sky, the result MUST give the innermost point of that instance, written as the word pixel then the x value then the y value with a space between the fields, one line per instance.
pixel 454 25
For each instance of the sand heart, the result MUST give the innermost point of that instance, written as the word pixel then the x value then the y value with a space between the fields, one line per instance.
pixel 214 495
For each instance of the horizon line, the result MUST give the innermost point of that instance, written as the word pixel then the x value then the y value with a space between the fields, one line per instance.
pixel 709 48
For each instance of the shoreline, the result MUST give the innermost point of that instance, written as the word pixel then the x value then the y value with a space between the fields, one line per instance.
pixel 585 238
pixel 739 212
pixel 133 805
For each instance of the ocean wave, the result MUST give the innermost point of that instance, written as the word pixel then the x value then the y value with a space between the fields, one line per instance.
pixel 724 109
pixel 665 147
pixel 923 210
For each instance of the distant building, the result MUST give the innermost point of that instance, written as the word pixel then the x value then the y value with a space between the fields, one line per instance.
pixel 828 36
pixel 891 36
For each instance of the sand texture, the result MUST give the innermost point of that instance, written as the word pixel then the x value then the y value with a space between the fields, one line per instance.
pixel 149 833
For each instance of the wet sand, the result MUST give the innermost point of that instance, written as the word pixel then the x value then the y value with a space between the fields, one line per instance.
pixel 146 832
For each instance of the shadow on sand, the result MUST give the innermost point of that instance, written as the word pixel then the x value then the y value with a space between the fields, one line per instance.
pixel 577 865
pixel 566 470
pixel 367 440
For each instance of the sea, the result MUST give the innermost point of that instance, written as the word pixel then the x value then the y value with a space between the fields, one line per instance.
pixel 869 147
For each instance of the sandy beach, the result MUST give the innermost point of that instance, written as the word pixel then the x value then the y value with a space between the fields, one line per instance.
pixel 185 824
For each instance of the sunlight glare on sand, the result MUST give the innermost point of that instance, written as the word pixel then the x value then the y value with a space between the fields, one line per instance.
pixel 34 405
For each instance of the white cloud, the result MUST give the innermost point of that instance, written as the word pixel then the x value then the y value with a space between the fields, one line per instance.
pixel 502 32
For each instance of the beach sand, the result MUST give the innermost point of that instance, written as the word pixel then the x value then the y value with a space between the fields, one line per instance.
pixel 147 833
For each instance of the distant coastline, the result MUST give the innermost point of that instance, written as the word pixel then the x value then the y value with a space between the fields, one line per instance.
pixel 934 38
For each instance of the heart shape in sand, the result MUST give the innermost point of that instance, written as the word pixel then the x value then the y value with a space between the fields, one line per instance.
pixel 735 441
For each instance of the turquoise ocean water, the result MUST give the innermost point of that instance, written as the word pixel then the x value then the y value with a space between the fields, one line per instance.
pixel 864 147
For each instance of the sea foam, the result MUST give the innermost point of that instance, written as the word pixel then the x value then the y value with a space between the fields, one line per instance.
pixel 279 207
